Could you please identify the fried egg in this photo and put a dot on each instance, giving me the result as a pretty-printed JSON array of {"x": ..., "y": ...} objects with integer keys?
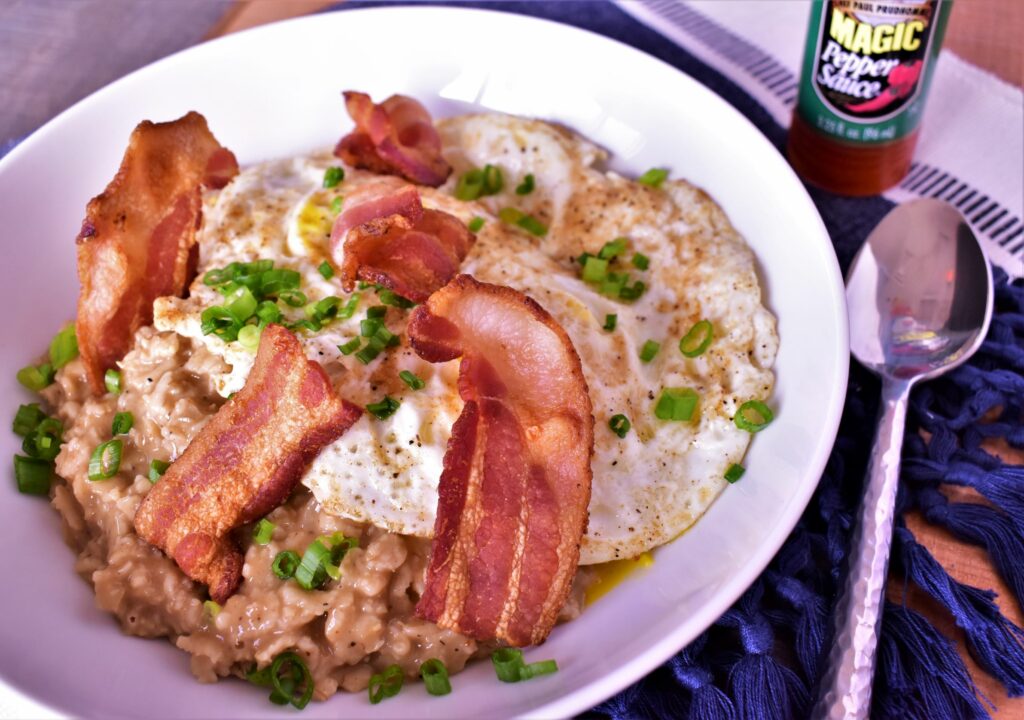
[{"x": 648, "y": 486}]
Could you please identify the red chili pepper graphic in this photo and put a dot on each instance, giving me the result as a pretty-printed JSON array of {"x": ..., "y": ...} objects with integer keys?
[{"x": 902, "y": 80}]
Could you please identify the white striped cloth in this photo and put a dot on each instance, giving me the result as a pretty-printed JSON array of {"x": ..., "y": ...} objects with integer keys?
[{"x": 971, "y": 149}]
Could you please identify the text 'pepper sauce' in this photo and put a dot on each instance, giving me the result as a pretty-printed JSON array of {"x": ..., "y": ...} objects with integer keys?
[{"x": 866, "y": 73}]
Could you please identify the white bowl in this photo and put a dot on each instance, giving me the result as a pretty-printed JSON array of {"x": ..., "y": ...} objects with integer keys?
[{"x": 274, "y": 91}]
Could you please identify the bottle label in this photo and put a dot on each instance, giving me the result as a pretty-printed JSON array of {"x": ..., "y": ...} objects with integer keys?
[{"x": 868, "y": 66}]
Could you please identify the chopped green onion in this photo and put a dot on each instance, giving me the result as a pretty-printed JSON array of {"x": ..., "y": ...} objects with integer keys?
[
  {"x": 287, "y": 686},
  {"x": 594, "y": 270},
  {"x": 64, "y": 347},
  {"x": 508, "y": 662},
  {"x": 641, "y": 261},
  {"x": 511, "y": 216},
  {"x": 27, "y": 419},
  {"x": 653, "y": 177},
  {"x": 435, "y": 677},
  {"x": 336, "y": 205},
  {"x": 620, "y": 425},
  {"x": 219, "y": 321},
  {"x": 368, "y": 354},
  {"x": 263, "y": 531},
  {"x": 112, "y": 379},
  {"x": 333, "y": 176},
  {"x": 385, "y": 337},
  {"x": 610, "y": 322},
  {"x": 157, "y": 468},
  {"x": 241, "y": 303},
  {"x": 753, "y": 416},
  {"x": 325, "y": 269},
  {"x": 697, "y": 339},
  {"x": 526, "y": 186},
  {"x": 36, "y": 378},
  {"x": 285, "y": 564},
  {"x": 310, "y": 574},
  {"x": 268, "y": 312},
  {"x": 494, "y": 181},
  {"x": 105, "y": 460},
  {"x": 292, "y": 297},
  {"x": 44, "y": 441},
  {"x": 735, "y": 472},
  {"x": 649, "y": 350},
  {"x": 212, "y": 608},
  {"x": 470, "y": 185},
  {"x": 411, "y": 380},
  {"x": 123, "y": 422},
  {"x": 350, "y": 347},
  {"x": 349, "y": 308},
  {"x": 386, "y": 684},
  {"x": 476, "y": 224},
  {"x": 509, "y": 666},
  {"x": 678, "y": 404},
  {"x": 377, "y": 312},
  {"x": 612, "y": 285},
  {"x": 249, "y": 337},
  {"x": 383, "y": 409},
  {"x": 33, "y": 475},
  {"x": 389, "y": 297},
  {"x": 544, "y": 667},
  {"x": 634, "y": 292},
  {"x": 370, "y": 326},
  {"x": 613, "y": 249}
]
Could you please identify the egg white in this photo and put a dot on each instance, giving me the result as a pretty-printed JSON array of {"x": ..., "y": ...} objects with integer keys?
[{"x": 648, "y": 486}]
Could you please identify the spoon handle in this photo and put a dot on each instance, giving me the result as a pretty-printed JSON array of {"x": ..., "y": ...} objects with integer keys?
[{"x": 845, "y": 692}]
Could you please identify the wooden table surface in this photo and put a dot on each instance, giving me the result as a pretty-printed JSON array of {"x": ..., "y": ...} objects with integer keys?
[{"x": 986, "y": 33}]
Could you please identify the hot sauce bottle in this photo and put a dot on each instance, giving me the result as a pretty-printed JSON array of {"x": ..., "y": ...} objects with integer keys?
[{"x": 866, "y": 73}]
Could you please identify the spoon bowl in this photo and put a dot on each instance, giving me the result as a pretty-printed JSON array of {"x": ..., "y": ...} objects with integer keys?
[{"x": 919, "y": 293}]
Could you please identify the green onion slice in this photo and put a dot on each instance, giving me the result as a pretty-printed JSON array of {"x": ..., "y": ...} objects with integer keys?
[
  {"x": 435, "y": 677},
  {"x": 64, "y": 347},
  {"x": 470, "y": 185},
  {"x": 219, "y": 321},
  {"x": 241, "y": 303},
  {"x": 678, "y": 404},
  {"x": 753, "y": 416},
  {"x": 633, "y": 292},
  {"x": 390, "y": 297},
  {"x": 310, "y": 574},
  {"x": 610, "y": 322},
  {"x": 285, "y": 564},
  {"x": 494, "y": 181},
  {"x": 33, "y": 475},
  {"x": 368, "y": 354},
  {"x": 370, "y": 326},
  {"x": 325, "y": 269},
  {"x": 262, "y": 531},
  {"x": 594, "y": 269},
  {"x": 336, "y": 205},
  {"x": 653, "y": 177},
  {"x": 349, "y": 308},
  {"x": 157, "y": 468},
  {"x": 412, "y": 380},
  {"x": 641, "y": 261},
  {"x": 386, "y": 684},
  {"x": 36, "y": 378},
  {"x": 649, "y": 350},
  {"x": 289, "y": 675},
  {"x": 112, "y": 379},
  {"x": 734, "y": 473},
  {"x": 44, "y": 441},
  {"x": 475, "y": 224},
  {"x": 613, "y": 249},
  {"x": 698, "y": 339},
  {"x": 350, "y": 347},
  {"x": 268, "y": 312},
  {"x": 544, "y": 667},
  {"x": 106, "y": 460},
  {"x": 385, "y": 408},
  {"x": 333, "y": 176},
  {"x": 377, "y": 312},
  {"x": 249, "y": 337},
  {"x": 27, "y": 419},
  {"x": 620, "y": 425},
  {"x": 508, "y": 663},
  {"x": 526, "y": 186},
  {"x": 212, "y": 608},
  {"x": 123, "y": 422}
]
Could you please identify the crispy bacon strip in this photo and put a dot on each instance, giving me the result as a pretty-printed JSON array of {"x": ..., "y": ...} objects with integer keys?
[
  {"x": 137, "y": 242},
  {"x": 514, "y": 491},
  {"x": 396, "y": 137},
  {"x": 386, "y": 236},
  {"x": 244, "y": 463}
]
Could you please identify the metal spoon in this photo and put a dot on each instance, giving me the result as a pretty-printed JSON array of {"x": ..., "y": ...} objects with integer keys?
[{"x": 920, "y": 299}]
